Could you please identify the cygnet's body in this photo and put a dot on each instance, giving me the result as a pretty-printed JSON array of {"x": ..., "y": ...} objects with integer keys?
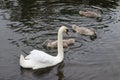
[
  {"x": 90, "y": 14},
  {"x": 53, "y": 43},
  {"x": 84, "y": 30}
]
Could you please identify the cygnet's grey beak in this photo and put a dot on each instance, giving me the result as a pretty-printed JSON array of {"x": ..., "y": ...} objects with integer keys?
[{"x": 73, "y": 30}]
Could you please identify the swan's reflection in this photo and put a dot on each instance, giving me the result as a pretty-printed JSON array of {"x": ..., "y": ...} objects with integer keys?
[
  {"x": 60, "y": 71},
  {"x": 37, "y": 73},
  {"x": 40, "y": 73}
]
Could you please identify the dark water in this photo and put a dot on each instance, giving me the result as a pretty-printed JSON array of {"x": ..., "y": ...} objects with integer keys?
[{"x": 25, "y": 24}]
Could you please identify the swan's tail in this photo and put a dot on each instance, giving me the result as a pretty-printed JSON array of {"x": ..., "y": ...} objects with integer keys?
[
  {"x": 26, "y": 63},
  {"x": 22, "y": 61}
]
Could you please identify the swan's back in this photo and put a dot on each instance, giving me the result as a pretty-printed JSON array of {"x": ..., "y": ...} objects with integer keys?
[{"x": 39, "y": 56}]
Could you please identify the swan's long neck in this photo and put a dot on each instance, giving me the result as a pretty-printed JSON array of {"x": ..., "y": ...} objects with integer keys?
[{"x": 60, "y": 55}]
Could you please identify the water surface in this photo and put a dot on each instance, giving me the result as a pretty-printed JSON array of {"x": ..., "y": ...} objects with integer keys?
[{"x": 25, "y": 25}]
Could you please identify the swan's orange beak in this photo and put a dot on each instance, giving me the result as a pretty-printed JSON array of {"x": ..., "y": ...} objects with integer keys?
[{"x": 68, "y": 33}]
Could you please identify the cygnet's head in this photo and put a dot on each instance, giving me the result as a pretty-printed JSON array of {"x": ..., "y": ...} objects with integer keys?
[
  {"x": 74, "y": 27},
  {"x": 46, "y": 43},
  {"x": 81, "y": 12}
]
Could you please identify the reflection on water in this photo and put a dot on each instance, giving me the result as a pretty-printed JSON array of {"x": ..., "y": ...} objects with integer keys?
[
  {"x": 26, "y": 24},
  {"x": 40, "y": 73}
]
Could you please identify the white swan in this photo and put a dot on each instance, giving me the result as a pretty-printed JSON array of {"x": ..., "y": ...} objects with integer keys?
[{"x": 39, "y": 59}]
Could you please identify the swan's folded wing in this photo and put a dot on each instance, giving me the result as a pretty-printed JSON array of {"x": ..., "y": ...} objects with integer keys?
[
  {"x": 39, "y": 56},
  {"x": 34, "y": 53}
]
